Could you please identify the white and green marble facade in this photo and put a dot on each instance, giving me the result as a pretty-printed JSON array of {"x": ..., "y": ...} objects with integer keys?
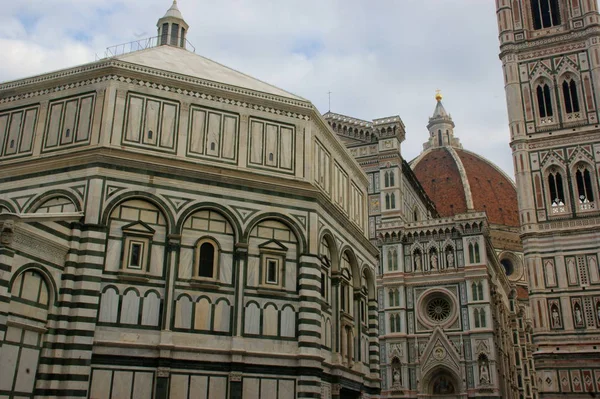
[{"x": 101, "y": 157}]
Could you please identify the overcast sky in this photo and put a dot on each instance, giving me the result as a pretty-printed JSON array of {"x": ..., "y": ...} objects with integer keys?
[{"x": 377, "y": 57}]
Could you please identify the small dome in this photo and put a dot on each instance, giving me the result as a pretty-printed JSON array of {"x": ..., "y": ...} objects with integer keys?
[{"x": 442, "y": 172}]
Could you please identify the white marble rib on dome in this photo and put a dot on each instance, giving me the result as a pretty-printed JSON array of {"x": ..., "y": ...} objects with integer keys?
[{"x": 181, "y": 61}]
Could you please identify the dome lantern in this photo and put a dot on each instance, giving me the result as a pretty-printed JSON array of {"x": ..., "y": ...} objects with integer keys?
[
  {"x": 172, "y": 28},
  {"x": 441, "y": 127}
]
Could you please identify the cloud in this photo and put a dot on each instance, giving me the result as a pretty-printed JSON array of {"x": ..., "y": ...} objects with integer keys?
[{"x": 377, "y": 58}]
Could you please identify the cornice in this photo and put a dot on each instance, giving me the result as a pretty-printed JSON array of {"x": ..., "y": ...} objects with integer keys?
[
  {"x": 143, "y": 70},
  {"x": 538, "y": 45}
]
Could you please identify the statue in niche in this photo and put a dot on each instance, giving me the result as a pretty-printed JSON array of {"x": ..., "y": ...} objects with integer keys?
[
  {"x": 555, "y": 317},
  {"x": 484, "y": 370},
  {"x": 396, "y": 373},
  {"x": 417, "y": 261},
  {"x": 578, "y": 314},
  {"x": 434, "y": 261},
  {"x": 450, "y": 260}
]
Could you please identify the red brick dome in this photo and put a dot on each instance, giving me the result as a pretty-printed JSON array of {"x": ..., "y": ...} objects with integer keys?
[{"x": 458, "y": 181}]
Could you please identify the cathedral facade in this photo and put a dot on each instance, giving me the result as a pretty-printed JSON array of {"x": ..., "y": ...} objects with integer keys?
[
  {"x": 172, "y": 228},
  {"x": 550, "y": 52},
  {"x": 452, "y": 294}
]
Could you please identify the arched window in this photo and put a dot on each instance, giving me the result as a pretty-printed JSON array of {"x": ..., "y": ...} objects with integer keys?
[
  {"x": 555, "y": 185},
  {"x": 571, "y": 99},
  {"x": 393, "y": 201},
  {"x": 476, "y": 317},
  {"x": 207, "y": 257},
  {"x": 392, "y": 179},
  {"x": 440, "y": 142},
  {"x": 482, "y": 321},
  {"x": 471, "y": 253},
  {"x": 544, "y": 101},
  {"x": 583, "y": 177},
  {"x": 392, "y": 260},
  {"x": 386, "y": 176},
  {"x": 480, "y": 291},
  {"x": 477, "y": 257},
  {"x": 545, "y": 13},
  {"x": 391, "y": 297},
  {"x": 416, "y": 214},
  {"x": 474, "y": 291},
  {"x": 387, "y": 201}
]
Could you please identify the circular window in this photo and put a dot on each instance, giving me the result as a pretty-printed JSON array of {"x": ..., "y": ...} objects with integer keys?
[
  {"x": 508, "y": 266},
  {"x": 438, "y": 309}
]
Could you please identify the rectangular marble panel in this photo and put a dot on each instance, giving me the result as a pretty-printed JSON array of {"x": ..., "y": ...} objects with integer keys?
[
  {"x": 256, "y": 142},
  {"x": 9, "y": 355},
  {"x": 28, "y": 130},
  {"x": 268, "y": 389},
  {"x": 272, "y": 145},
  {"x": 143, "y": 385},
  {"x": 68, "y": 130},
  {"x": 251, "y": 388},
  {"x": 134, "y": 119},
  {"x": 179, "y": 386},
  {"x": 169, "y": 125},
  {"x": 198, "y": 387},
  {"x": 286, "y": 389},
  {"x": 3, "y": 129},
  {"x": 229, "y": 137},
  {"x": 218, "y": 387},
  {"x": 198, "y": 122},
  {"x": 122, "y": 384},
  {"x": 53, "y": 128},
  {"x": 85, "y": 118},
  {"x": 14, "y": 131},
  {"x": 213, "y": 135},
  {"x": 28, "y": 362},
  {"x": 101, "y": 382},
  {"x": 150, "y": 132}
]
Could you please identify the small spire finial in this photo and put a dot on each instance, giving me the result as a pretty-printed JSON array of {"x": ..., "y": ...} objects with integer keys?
[{"x": 438, "y": 95}]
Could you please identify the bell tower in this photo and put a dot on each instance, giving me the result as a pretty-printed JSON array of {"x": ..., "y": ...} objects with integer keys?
[{"x": 550, "y": 52}]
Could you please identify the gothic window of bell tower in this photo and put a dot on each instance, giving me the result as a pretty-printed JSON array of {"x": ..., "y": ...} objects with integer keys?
[
  {"x": 545, "y": 13},
  {"x": 544, "y": 99},
  {"x": 584, "y": 186},
  {"x": 555, "y": 186},
  {"x": 570, "y": 96}
]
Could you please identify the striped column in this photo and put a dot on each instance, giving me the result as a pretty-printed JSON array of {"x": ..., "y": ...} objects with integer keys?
[
  {"x": 6, "y": 260},
  {"x": 65, "y": 362},
  {"x": 309, "y": 327}
]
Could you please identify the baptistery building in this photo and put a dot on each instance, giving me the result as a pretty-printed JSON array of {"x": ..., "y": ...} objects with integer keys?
[{"x": 173, "y": 228}]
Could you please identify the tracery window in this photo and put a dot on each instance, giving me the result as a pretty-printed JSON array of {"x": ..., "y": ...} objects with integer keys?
[
  {"x": 545, "y": 13},
  {"x": 392, "y": 260},
  {"x": 474, "y": 256},
  {"x": 477, "y": 290},
  {"x": 555, "y": 185},
  {"x": 395, "y": 324},
  {"x": 571, "y": 99},
  {"x": 479, "y": 316},
  {"x": 394, "y": 297},
  {"x": 583, "y": 177},
  {"x": 544, "y": 99}
]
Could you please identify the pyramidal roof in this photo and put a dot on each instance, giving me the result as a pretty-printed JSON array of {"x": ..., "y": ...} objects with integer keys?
[
  {"x": 440, "y": 111},
  {"x": 174, "y": 11},
  {"x": 183, "y": 62}
]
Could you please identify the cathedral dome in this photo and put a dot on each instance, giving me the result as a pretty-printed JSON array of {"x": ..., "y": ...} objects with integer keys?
[{"x": 459, "y": 181}]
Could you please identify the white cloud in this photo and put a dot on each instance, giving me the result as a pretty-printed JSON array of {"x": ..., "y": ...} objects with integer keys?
[{"x": 377, "y": 58}]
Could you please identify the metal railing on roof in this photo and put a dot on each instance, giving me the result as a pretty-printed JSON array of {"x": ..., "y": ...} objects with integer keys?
[{"x": 138, "y": 45}]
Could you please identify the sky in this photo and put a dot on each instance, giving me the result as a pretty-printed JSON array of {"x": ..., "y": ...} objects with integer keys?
[{"x": 377, "y": 57}]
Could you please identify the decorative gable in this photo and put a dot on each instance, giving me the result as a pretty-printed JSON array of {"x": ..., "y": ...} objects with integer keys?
[{"x": 439, "y": 351}]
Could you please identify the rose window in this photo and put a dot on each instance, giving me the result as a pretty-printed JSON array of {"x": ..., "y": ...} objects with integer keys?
[{"x": 438, "y": 309}]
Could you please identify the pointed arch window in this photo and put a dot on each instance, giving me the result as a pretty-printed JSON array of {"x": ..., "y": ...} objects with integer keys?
[
  {"x": 555, "y": 185},
  {"x": 545, "y": 13},
  {"x": 392, "y": 178},
  {"x": 569, "y": 88},
  {"x": 387, "y": 179},
  {"x": 544, "y": 100},
  {"x": 393, "y": 201},
  {"x": 392, "y": 260},
  {"x": 474, "y": 256},
  {"x": 387, "y": 201},
  {"x": 583, "y": 177}
]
